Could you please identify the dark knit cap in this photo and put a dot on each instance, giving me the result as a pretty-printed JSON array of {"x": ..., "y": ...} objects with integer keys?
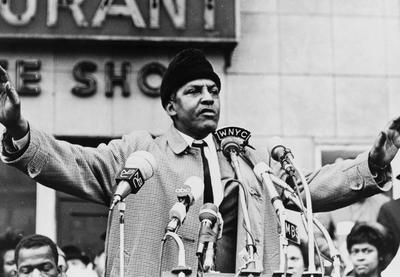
[{"x": 188, "y": 65}]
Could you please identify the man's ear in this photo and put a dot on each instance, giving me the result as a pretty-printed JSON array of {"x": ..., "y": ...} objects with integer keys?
[{"x": 170, "y": 108}]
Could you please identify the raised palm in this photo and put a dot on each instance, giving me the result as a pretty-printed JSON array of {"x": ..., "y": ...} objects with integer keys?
[
  {"x": 10, "y": 112},
  {"x": 387, "y": 144}
]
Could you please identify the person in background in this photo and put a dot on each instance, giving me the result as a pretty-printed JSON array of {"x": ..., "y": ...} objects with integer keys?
[
  {"x": 75, "y": 257},
  {"x": 389, "y": 216},
  {"x": 339, "y": 222},
  {"x": 37, "y": 255},
  {"x": 371, "y": 248},
  {"x": 297, "y": 258},
  {"x": 100, "y": 263},
  {"x": 8, "y": 242},
  {"x": 62, "y": 262},
  {"x": 78, "y": 262}
]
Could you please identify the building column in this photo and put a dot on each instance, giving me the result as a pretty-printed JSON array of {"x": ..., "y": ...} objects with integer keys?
[{"x": 46, "y": 223}]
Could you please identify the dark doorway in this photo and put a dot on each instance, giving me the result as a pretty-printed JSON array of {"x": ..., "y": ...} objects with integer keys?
[{"x": 18, "y": 201}]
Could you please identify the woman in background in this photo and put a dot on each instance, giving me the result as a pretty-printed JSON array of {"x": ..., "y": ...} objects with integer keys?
[{"x": 371, "y": 248}]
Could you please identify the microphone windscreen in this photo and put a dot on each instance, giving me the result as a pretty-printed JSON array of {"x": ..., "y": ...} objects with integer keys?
[
  {"x": 276, "y": 148},
  {"x": 230, "y": 142},
  {"x": 178, "y": 210},
  {"x": 209, "y": 211},
  {"x": 196, "y": 187},
  {"x": 144, "y": 161}
]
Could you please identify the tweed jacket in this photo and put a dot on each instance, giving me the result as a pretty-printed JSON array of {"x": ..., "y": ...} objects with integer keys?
[{"x": 89, "y": 173}]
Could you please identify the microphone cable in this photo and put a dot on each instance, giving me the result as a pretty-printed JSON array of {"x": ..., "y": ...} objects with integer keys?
[
  {"x": 107, "y": 244},
  {"x": 200, "y": 268},
  {"x": 163, "y": 240},
  {"x": 246, "y": 197}
]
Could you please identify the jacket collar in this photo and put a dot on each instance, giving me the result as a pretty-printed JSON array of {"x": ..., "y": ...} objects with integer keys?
[
  {"x": 176, "y": 141},
  {"x": 178, "y": 144}
]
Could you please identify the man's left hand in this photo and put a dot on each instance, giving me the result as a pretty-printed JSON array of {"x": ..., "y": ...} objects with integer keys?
[{"x": 386, "y": 145}]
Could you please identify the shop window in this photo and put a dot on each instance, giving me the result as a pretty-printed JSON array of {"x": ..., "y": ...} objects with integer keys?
[{"x": 329, "y": 156}]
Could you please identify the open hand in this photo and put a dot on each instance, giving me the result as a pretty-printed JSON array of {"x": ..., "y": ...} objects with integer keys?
[
  {"x": 10, "y": 107},
  {"x": 386, "y": 145}
]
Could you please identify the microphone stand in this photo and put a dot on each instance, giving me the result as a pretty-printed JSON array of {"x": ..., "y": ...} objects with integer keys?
[
  {"x": 181, "y": 270},
  {"x": 178, "y": 215},
  {"x": 121, "y": 207},
  {"x": 334, "y": 253},
  {"x": 289, "y": 164},
  {"x": 311, "y": 271},
  {"x": 282, "y": 216},
  {"x": 250, "y": 270},
  {"x": 209, "y": 256}
]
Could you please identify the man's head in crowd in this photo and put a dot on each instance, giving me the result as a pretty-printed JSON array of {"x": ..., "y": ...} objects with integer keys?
[
  {"x": 100, "y": 263},
  {"x": 8, "y": 242},
  {"x": 297, "y": 258},
  {"x": 370, "y": 247},
  {"x": 190, "y": 94},
  {"x": 75, "y": 257},
  {"x": 37, "y": 255}
]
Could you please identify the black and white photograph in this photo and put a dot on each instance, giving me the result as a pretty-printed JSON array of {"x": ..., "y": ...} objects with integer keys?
[{"x": 191, "y": 138}]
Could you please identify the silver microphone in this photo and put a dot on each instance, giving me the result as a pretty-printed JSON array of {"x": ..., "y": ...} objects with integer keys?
[{"x": 190, "y": 192}]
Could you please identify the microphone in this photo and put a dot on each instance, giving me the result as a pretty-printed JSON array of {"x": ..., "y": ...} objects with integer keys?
[
  {"x": 262, "y": 171},
  {"x": 231, "y": 149},
  {"x": 281, "y": 154},
  {"x": 139, "y": 167},
  {"x": 209, "y": 255},
  {"x": 277, "y": 149},
  {"x": 208, "y": 216},
  {"x": 187, "y": 195},
  {"x": 230, "y": 145}
]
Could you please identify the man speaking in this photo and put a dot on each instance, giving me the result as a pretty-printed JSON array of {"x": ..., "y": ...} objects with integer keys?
[{"x": 190, "y": 94}]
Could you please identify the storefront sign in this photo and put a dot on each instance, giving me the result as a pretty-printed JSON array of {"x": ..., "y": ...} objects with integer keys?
[
  {"x": 28, "y": 77},
  {"x": 120, "y": 20}
]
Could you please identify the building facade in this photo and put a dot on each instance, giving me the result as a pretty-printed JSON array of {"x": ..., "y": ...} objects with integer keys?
[{"x": 321, "y": 74}]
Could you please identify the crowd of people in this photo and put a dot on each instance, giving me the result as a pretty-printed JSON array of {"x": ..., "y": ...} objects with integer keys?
[
  {"x": 31, "y": 254},
  {"x": 190, "y": 95},
  {"x": 371, "y": 248}
]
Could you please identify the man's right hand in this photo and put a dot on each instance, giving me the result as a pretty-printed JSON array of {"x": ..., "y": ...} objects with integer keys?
[{"x": 10, "y": 108}]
